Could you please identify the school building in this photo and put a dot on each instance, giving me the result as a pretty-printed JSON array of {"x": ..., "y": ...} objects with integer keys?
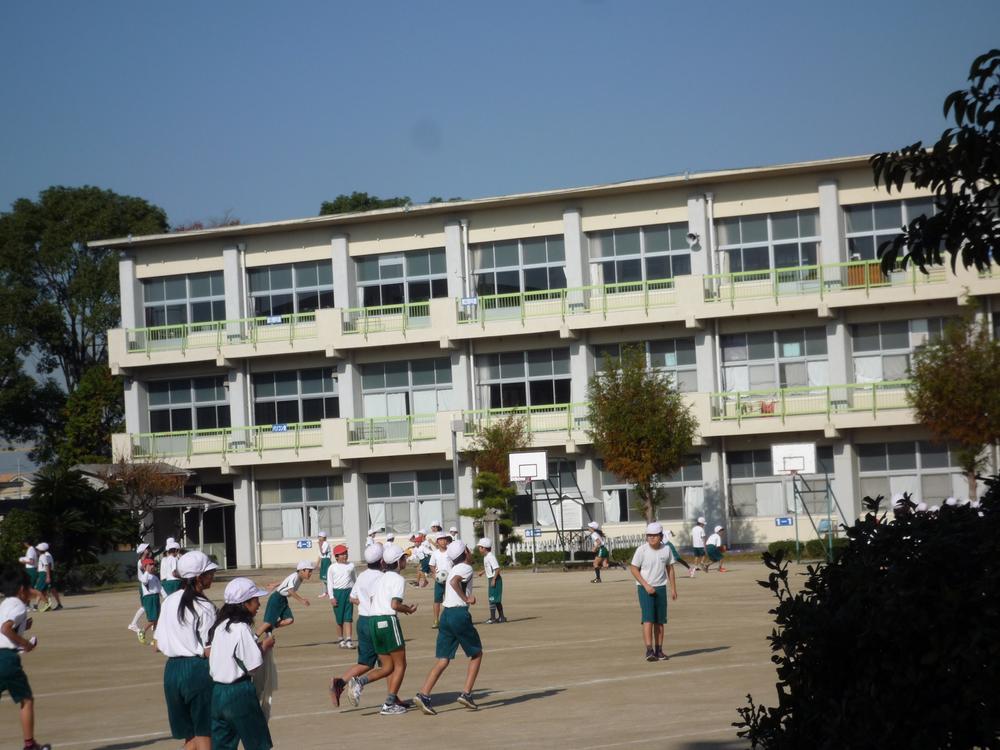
[{"x": 321, "y": 372}]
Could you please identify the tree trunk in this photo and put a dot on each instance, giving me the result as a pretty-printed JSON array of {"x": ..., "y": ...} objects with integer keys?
[
  {"x": 971, "y": 477},
  {"x": 647, "y": 494}
]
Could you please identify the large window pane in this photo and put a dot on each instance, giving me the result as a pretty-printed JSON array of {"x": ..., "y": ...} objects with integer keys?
[
  {"x": 871, "y": 457},
  {"x": 895, "y": 335},
  {"x": 753, "y": 229},
  {"x": 888, "y": 215},
  {"x": 627, "y": 242},
  {"x": 901, "y": 456}
]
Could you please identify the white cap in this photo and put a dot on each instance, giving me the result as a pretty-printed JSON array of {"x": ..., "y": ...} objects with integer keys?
[
  {"x": 934, "y": 508},
  {"x": 372, "y": 532},
  {"x": 718, "y": 529},
  {"x": 42, "y": 547},
  {"x": 305, "y": 565},
  {"x": 193, "y": 564},
  {"x": 390, "y": 536},
  {"x": 436, "y": 523},
  {"x": 391, "y": 553},
  {"x": 453, "y": 529},
  {"x": 455, "y": 549},
  {"x": 897, "y": 500},
  {"x": 486, "y": 542},
  {"x": 654, "y": 528},
  {"x": 442, "y": 535},
  {"x": 951, "y": 501},
  {"x": 240, "y": 590},
  {"x": 170, "y": 539},
  {"x": 974, "y": 504},
  {"x": 921, "y": 507},
  {"x": 373, "y": 553},
  {"x": 141, "y": 548},
  {"x": 322, "y": 534},
  {"x": 171, "y": 544},
  {"x": 593, "y": 525},
  {"x": 422, "y": 532},
  {"x": 701, "y": 519}
]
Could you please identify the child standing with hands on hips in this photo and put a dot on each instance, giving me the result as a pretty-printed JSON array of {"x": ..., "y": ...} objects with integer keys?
[{"x": 339, "y": 582}]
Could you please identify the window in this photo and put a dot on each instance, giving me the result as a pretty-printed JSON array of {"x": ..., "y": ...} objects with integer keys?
[
  {"x": 534, "y": 378},
  {"x": 188, "y": 404},
  {"x": 404, "y": 501},
  {"x": 301, "y": 508},
  {"x": 755, "y": 491},
  {"x": 675, "y": 357},
  {"x": 291, "y": 288},
  {"x": 929, "y": 471},
  {"x": 414, "y": 276},
  {"x": 871, "y": 224},
  {"x": 293, "y": 396},
  {"x": 774, "y": 359},
  {"x": 882, "y": 350},
  {"x": 175, "y": 300},
  {"x": 399, "y": 389},
  {"x": 526, "y": 265},
  {"x": 624, "y": 502},
  {"x": 640, "y": 253},
  {"x": 765, "y": 241}
]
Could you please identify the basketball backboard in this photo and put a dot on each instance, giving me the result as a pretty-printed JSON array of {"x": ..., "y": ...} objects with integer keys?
[
  {"x": 793, "y": 458},
  {"x": 529, "y": 465}
]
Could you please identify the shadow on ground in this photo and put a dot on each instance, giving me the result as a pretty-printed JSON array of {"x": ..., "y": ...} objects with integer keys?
[
  {"x": 133, "y": 744},
  {"x": 694, "y": 651}
]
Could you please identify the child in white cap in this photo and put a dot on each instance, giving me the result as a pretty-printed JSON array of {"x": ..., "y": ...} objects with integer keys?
[
  {"x": 386, "y": 634},
  {"x": 143, "y": 551},
  {"x": 235, "y": 654},
  {"x": 698, "y": 544},
  {"x": 456, "y": 630},
  {"x": 169, "y": 579},
  {"x": 453, "y": 531},
  {"x": 361, "y": 594},
  {"x": 714, "y": 549},
  {"x": 439, "y": 562},
  {"x": 423, "y": 554},
  {"x": 43, "y": 581},
  {"x": 371, "y": 537},
  {"x": 601, "y": 552},
  {"x": 278, "y": 614},
  {"x": 340, "y": 581},
  {"x": 182, "y": 633},
  {"x": 653, "y": 568},
  {"x": 325, "y": 560},
  {"x": 151, "y": 591},
  {"x": 494, "y": 583}
]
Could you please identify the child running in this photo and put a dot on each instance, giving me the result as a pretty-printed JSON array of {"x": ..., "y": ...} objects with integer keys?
[
  {"x": 181, "y": 635},
  {"x": 340, "y": 581},
  {"x": 361, "y": 594},
  {"x": 325, "y": 559},
  {"x": 387, "y": 636},
  {"x": 151, "y": 589},
  {"x": 15, "y": 586},
  {"x": 668, "y": 536},
  {"x": 235, "y": 654},
  {"x": 423, "y": 553},
  {"x": 494, "y": 583},
  {"x": 144, "y": 552},
  {"x": 456, "y": 630},
  {"x": 714, "y": 549},
  {"x": 653, "y": 568},
  {"x": 440, "y": 562},
  {"x": 601, "y": 553},
  {"x": 44, "y": 580},
  {"x": 168, "y": 567},
  {"x": 278, "y": 614}
]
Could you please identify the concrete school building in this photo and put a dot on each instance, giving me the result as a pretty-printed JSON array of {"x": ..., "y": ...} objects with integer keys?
[{"x": 321, "y": 370}]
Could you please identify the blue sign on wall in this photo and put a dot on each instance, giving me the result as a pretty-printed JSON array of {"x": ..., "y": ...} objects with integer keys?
[
  {"x": 304, "y": 543},
  {"x": 279, "y": 428},
  {"x": 784, "y": 521}
]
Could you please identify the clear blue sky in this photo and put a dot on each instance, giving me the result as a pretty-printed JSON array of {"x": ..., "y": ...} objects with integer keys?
[{"x": 267, "y": 109}]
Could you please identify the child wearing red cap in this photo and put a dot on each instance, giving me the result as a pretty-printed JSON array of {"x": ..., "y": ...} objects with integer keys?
[
  {"x": 151, "y": 589},
  {"x": 339, "y": 582}
]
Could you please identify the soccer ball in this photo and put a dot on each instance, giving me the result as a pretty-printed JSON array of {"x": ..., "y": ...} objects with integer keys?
[{"x": 441, "y": 576}]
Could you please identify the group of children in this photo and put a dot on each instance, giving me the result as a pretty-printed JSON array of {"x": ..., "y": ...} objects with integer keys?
[{"x": 39, "y": 565}]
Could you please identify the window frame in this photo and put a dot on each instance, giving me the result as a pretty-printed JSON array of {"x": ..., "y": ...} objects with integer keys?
[
  {"x": 677, "y": 247},
  {"x": 726, "y": 249},
  {"x": 778, "y": 360},
  {"x": 486, "y": 271},
  {"x": 216, "y": 300},
  {"x": 601, "y": 352},
  {"x": 501, "y": 384},
  {"x": 220, "y": 404},
  {"x": 412, "y": 500},
  {"x": 910, "y": 208},
  {"x": 327, "y": 375},
  {"x": 324, "y": 291},
  {"x": 335, "y": 501},
  {"x": 437, "y": 281}
]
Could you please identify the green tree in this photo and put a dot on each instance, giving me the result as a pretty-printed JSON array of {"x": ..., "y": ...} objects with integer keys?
[
  {"x": 962, "y": 169},
  {"x": 955, "y": 390},
  {"x": 494, "y": 442},
  {"x": 640, "y": 425},
  {"x": 439, "y": 199},
  {"x": 355, "y": 202},
  {"x": 93, "y": 413},
  {"x": 493, "y": 494}
]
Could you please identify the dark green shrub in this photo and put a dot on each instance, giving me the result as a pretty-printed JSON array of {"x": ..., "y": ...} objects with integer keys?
[
  {"x": 816, "y": 549},
  {"x": 892, "y": 645},
  {"x": 787, "y": 546},
  {"x": 88, "y": 576}
]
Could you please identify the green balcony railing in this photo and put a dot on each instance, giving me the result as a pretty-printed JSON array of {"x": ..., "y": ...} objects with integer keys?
[
  {"x": 549, "y": 418},
  {"x": 216, "y": 334},
  {"x": 825, "y": 279},
  {"x": 563, "y": 303},
  {"x": 366, "y": 320},
  {"x": 379, "y": 430},
  {"x": 224, "y": 440},
  {"x": 804, "y": 400}
]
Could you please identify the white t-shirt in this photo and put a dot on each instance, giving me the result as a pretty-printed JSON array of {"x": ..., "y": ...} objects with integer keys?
[
  {"x": 417, "y": 552},
  {"x": 369, "y": 541},
  {"x": 391, "y": 586},
  {"x": 339, "y": 576},
  {"x": 325, "y": 551},
  {"x": 491, "y": 565},
  {"x": 440, "y": 560},
  {"x": 167, "y": 567},
  {"x": 427, "y": 548},
  {"x": 227, "y": 647},
  {"x": 364, "y": 589},
  {"x": 598, "y": 539},
  {"x": 652, "y": 563},
  {"x": 45, "y": 562},
  {"x": 188, "y": 638},
  {"x": 32, "y": 555},
  {"x": 16, "y": 611},
  {"x": 290, "y": 584},
  {"x": 698, "y": 536},
  {"x": 464, "y": 572},
  {"x": 150, "y": 583},
  {"x": 715, "y": 540}
]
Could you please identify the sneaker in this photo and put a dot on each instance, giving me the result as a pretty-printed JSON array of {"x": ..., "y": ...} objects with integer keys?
[
  {"x": 349, "y": 644},
  {"x": 502, "y": 619},
  {"x": 407, "y": 704},
  {"x": 321, "y": 596},
  {"x": 692, "y": 572},
  {"x": 142, "y": 637},
  {"x": 58, "y": 607},
  {"x": 354, "y": 689},
  {"x": 466, "y": 700},
  {"x": 36, "y": 746},
  {"x": 392, "y": 709},
  {"x": 650, "y": 655},
  {"x": 424, "y": 701},
  {"x": 337, "y": 690},
  {"x": 340, "y": 643},
  {"x": 434, "y": 626},
  {"x": 490, "y": 621},
  {"x": 661, "y": 656},
  {"x": 133, "y": 628},
  {"x": 44, "y": 607},
  {"x": 595, "y": 580},
  {"x": 723, "y": 570}
]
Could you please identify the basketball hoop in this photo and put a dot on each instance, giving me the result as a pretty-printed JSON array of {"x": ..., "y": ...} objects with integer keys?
[{"x": 525, "y": 468}]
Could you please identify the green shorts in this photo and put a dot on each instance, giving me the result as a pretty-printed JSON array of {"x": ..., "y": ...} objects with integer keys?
[
  {"x": 366, "y": 650},
  {"x": 324, "y": 566},
  {"x": 277, "y": 610},
  {"x": 171, "y": 586},
  {"x": 425, "y": 565},
  {"x": 187, "y": 687},
  {"x": 654, "y": 608},
  {"x": 603, "y": 552},
  {"x": 237, "y": 717},
  {"x": 699, "y": 551},
  {"x": 495, "y": 591},
  {"x": 41, "y": 584},
  {"x": 151, "y": 604},
  {"x": 454, "y": 630},
  {"x": 714, "y": 553},
  {"x": 387, "y": 636},
  {"x": 438, "y": 592},
  {"x": 12, "y": 676},
  {"x": 343, "y": 610}
]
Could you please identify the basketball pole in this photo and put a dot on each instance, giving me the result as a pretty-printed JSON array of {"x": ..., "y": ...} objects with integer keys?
[
  {"x": 534, "y": 539},
  {"x": 795, "y": 509}
]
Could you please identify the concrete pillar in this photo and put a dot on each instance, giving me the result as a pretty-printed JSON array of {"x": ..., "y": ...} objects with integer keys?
[
  {"x": 705, "y": 356},
  {"x": 246, "y": 522},
  {"x": 845, "y": 487},
  {"x": 239, "y": 397},
  {"x": 463, "y": 486},
  {"x": 130, "y": 291},
  {"x": 236, "y": 297},
  {"x": 715, "y": 491},
  {"x": 577, "y": 262},
  {"x": 344, "y": 276},
  {"x": 840, "y": 366},
  {"x": 349, "y": 391},
  {"x": 355, "y": 512},
  {"x": 831, "y": 232},
  {"x": 455, "y": 258},
  {"x": 136, "y": 406},
  {"x": 581, "y": 368},
  {"x": 461, "y": 383},
  {"x": 698, "y": 224}
]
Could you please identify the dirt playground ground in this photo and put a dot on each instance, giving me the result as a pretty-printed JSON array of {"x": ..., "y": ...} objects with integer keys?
[{"x": 567, "y": 671}]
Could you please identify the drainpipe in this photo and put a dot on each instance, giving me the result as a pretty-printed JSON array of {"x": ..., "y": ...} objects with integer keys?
[
  {"x": 710, "y": 206},
  {"x": 468, "y": 290}
]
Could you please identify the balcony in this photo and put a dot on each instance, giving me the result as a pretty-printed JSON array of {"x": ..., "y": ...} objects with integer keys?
[
  {"x": 364, "y": 321},
  {"x": 216, "y": 334},
  {"x": 553, "y": 423},
  {"x": 372, "y": 431},
  {"x": 227, "y": 440}
]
